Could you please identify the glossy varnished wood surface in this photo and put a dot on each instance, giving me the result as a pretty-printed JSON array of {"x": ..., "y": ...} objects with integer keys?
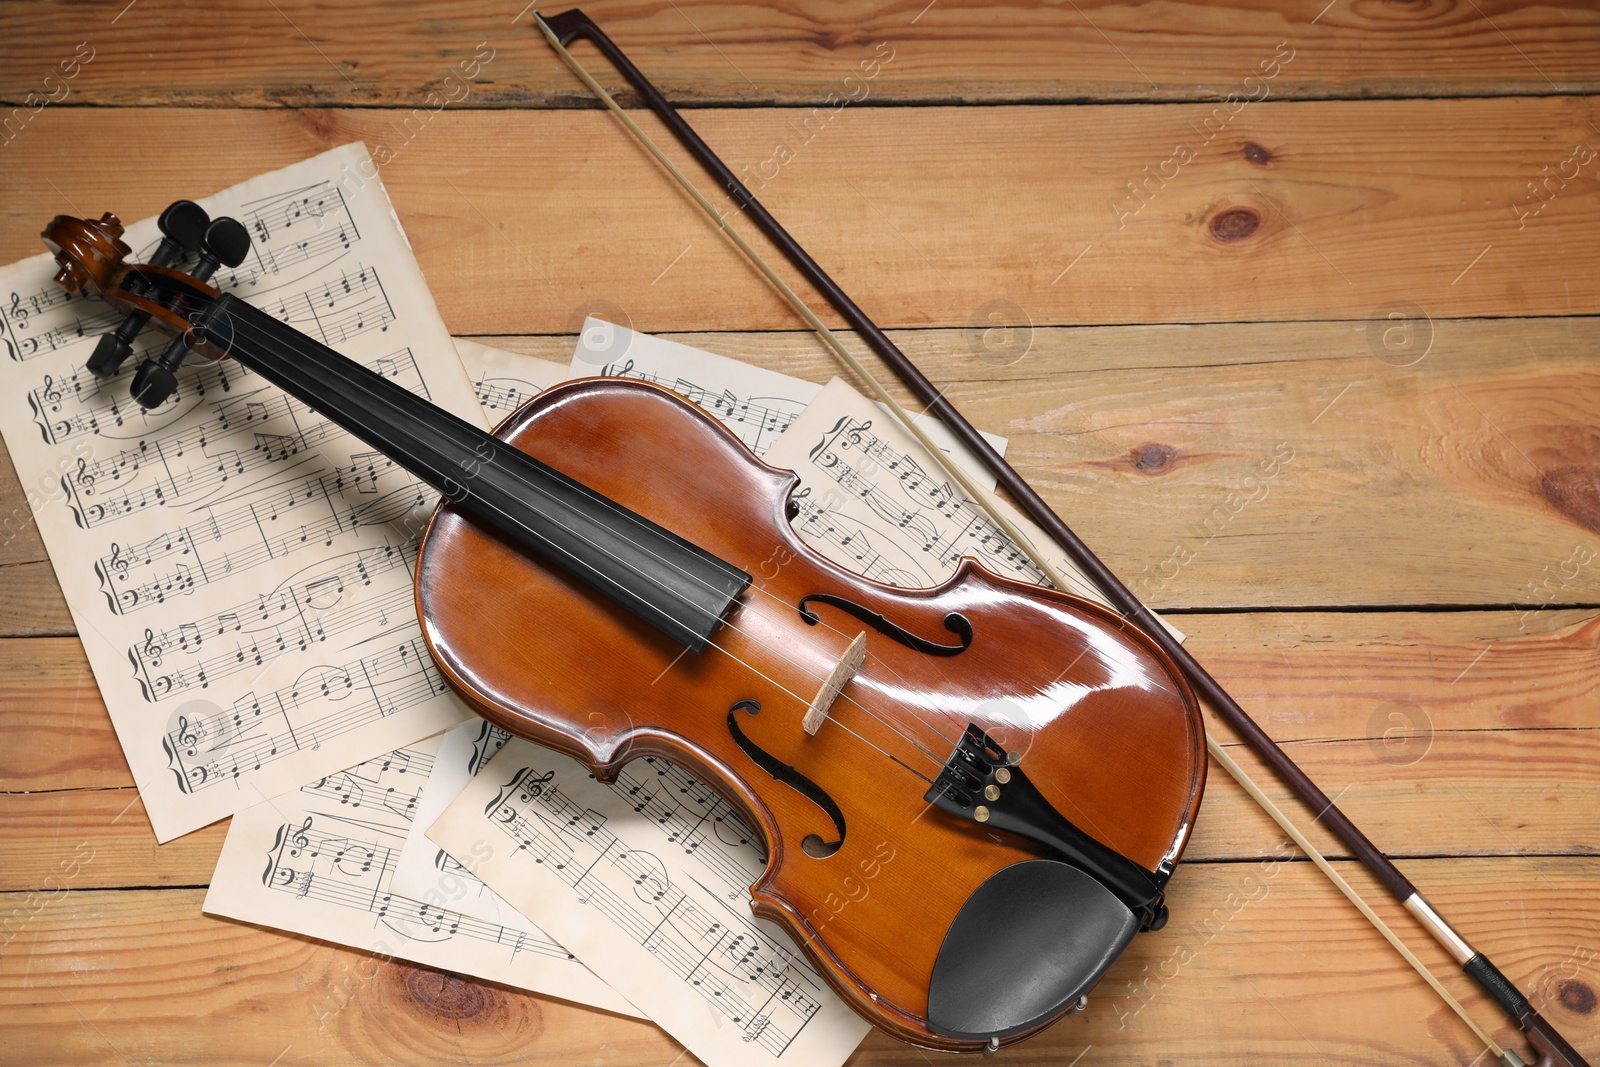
[
  {"x": 1392, "y": 606},
  {"x": 1097, "y": 716}
]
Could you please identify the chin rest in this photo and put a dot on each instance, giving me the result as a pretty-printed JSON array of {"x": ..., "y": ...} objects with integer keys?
[{"x": 1023, "y": 948}]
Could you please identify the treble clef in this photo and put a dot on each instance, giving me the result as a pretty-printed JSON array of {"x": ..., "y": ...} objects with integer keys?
[
  {"x": 85, "y": 478},
  {"x": 535, "y": 787},
  {"x": 51, "y": 392},
  {"x": 18, "y": 314},
  {"x": 498, "y": 806},
  {"x": 856, "y": 432},
  {"x": 188, "y": 735},
  {"x": 300, "y": 839},
  {"x": 151, "y": 651},
  {"x": 119, "y": 563}
]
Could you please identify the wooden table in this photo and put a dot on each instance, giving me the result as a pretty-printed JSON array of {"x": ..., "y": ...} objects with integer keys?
[{"x": 1287, "y": 308}]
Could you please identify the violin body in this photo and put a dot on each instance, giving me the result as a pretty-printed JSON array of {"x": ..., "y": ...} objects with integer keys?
[{"x": 1102, "y": 721}]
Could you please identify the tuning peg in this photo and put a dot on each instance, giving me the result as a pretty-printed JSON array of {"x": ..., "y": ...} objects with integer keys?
[
  {"x": 183, "y": 228},
  {"x": 226, "y": 243}
]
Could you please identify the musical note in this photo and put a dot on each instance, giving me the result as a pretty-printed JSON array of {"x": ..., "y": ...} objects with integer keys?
[
  {"x": 869, "y": 501},
  {"x": 294, "y": 232},
  {"x": 339, "y": 309},
  {"x": 325, "y": 702},
  {"x": 757, "y": 405},
  {"x": 615, "y": 879},
  {"x": 320, "y": 861}
]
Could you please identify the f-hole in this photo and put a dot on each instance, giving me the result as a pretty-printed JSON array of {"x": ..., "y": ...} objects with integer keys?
[
  {"x": 955, "y": 622},
  {"x": 813, "y": 845}
]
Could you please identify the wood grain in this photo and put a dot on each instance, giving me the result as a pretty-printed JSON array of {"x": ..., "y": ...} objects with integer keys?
[
  {"x": 1252, "y": 959},
  {"x": 19, "y": 537},
  {"x": 1410, "y": 717},
  {"x": 929, "y": 216},
  {"x": 33, "y": 606},
  {"x": 108, "y": 831},
  {"x": 299, "y": 53},
  {"x": 1151, "y": 441}
]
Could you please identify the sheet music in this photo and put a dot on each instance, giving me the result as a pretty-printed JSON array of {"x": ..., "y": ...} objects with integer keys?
[
  {"x": 426, "y": 872},
  {"x": 872, "y": 500},
  {"x": 237, "y": 567},
  {"x": 319, "y": 861},
  {"x": 504, "y": 381},
  {"x": 757, "y": 405},
  {"x": 646, "y": 880}
]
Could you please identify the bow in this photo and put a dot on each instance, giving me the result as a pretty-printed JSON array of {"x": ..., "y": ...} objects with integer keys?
[{"x": 1552, "y": 1049}]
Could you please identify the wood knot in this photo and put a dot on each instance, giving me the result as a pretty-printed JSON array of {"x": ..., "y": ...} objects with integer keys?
[
  {"x": 445, "y": 995},
  {"x": 1574, "y": 490},
  {"x": 1235, "y": 224},
  {"x": 1576, "y": 997},
  {"x": 1152, "y": 459},
  {"x": 1256, "y": 153}
]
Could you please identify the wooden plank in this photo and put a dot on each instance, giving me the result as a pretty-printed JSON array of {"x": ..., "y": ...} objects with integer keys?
[
  {"x": 1260, "y": 956},
  {"x": 1326, "y": 475},
  {"x": 1427, "y": 715},
  {"x": 1156, "y": 444},
  {"x": 1288, "y": 211},
  {"x": 299, "y": 53},
  {"x": 144, "y": 973},
  {"x": 1528, "y": 796},
  {"x": 105, "y": 835},
  {"x": 58, "y": 733},
  {"x": 33, "y": 605},
  {"x": 19, "y": 537},
  {"x": 1526, "y": 793},
  {"x": 1309, "y": 678},
  {"x": 1409, "y": 718}
]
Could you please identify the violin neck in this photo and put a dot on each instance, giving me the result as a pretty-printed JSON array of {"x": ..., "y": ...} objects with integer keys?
[{"x": 658, "y": 576}]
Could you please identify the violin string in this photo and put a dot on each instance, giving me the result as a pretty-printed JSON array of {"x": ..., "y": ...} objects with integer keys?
[
  {"x": 402, "y": 427},
  {"x": 828, "y": 337}
]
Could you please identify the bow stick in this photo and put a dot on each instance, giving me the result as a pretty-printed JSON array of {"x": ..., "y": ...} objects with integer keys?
[{"x": 560, "y": 30}]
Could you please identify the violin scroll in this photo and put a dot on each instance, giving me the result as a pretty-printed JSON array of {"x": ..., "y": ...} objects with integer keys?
[
  {"x": 183, "y": 228},
  {"x": 89, "y": 252},
  {"x": 92, "y": 258}
]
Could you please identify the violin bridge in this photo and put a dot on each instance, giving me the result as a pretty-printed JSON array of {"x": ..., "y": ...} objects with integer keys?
[{"x": 842, "y": 672}]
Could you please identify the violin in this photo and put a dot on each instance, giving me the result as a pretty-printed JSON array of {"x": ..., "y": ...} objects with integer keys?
[{"x": 1014, "y": 771}]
